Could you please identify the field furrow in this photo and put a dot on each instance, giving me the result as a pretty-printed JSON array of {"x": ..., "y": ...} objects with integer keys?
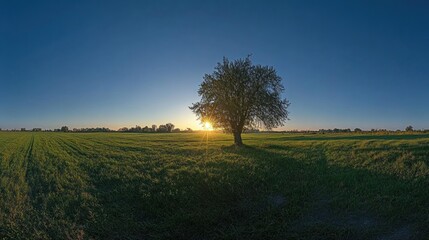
[
  {"x": 188, "y": 186},
  {"x": 13, "y": 185}
]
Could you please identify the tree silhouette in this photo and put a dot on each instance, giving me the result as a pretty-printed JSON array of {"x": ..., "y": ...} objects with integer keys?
[
  {"x": 239, "y": 94},
  {"x": 162, "y": 129},
  {"x": 170, "y": 127}
]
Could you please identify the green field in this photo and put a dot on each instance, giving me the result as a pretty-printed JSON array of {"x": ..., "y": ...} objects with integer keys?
[{"x": 190, "y": 186}]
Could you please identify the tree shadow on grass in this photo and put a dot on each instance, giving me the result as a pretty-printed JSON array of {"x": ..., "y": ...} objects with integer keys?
[
  {"x": 340, "y": 202},
  {"x": 258, "y": 193}
]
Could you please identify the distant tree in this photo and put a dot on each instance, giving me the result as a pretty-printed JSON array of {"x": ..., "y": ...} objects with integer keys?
[
  {"x": 170, "y": 127},
  {"x": 64, "y": 129},
  {"x": 124, "y": 129},
  {"x": 154, "y": 128},
  {"x": 187, "y": 130},
  {"x": 250, "y": 130},
  {"x": 409, "y": 129},
  {"x": 162, "y": 129},
  {"x": 239, "y": 94},
  {"x": 97, "y": 129},
  {"x": 358, "y": 130},
  {"x": 176, "y": 130}
]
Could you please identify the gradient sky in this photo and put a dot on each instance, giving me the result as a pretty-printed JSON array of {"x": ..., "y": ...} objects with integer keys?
[{"x": 344, "y": 64}]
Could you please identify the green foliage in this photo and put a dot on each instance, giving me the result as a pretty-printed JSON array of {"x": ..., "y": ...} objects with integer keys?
[
  {"x": 240, "y": 95},
  {"x": 194, "y": 186}
]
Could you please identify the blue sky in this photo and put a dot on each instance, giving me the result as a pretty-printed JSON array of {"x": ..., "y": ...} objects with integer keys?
[{"x": 90, "y": 63}]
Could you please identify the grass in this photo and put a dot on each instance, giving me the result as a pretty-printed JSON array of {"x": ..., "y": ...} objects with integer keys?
[{"x": 190, "y": 186}]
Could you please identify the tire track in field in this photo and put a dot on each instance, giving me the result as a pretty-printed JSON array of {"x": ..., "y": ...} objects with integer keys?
[
  {"x": 30, "y": 175},
  {"x": 92, "y": 148},
  {"x": 71, "y": 147},
  {"x": 14, "y": 187},
  {"x": 82, "y": 151},
  {"x": 145, "y": 151},
  {"x": 118, "y": 145},
  {"x": 28, "y": 158},
  {"x": 114, "y": 202},
  {"x": 58, "y": 207},
  {"x": 85, "y": 154}
]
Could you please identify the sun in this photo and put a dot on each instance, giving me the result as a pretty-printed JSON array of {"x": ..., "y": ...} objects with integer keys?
[{"x": 207, "y": 126}]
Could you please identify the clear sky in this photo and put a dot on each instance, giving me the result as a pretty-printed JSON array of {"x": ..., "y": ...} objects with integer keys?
[{"x": 344, "y": 64}]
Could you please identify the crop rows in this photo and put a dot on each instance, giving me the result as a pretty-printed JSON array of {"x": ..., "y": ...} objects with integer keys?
[{"x": 193, "y": 186}]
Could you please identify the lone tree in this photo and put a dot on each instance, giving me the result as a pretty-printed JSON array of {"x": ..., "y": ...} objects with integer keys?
[{"x": 239, "y": 94}]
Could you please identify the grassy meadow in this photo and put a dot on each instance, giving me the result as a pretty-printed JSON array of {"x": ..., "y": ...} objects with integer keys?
[{"x": 196, "y": 186}]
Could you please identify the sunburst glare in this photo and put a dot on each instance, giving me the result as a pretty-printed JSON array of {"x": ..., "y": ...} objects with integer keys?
[{"x": 207, "y": 126}]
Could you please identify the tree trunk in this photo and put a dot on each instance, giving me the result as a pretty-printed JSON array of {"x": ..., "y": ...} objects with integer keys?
[{"x": 237, "y": 139}]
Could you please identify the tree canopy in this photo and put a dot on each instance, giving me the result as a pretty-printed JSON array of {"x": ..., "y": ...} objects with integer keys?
[{"x": 239, "y": 94}]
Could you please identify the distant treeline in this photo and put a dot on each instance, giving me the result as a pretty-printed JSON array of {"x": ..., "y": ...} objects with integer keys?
[
  {"x": 358, "y": 130},
  {"x": 170, "y": 128},
  {"x": 62, "y": 129},
  {"x": 98, "y": 129},
  {"x": 165, "y": 128}
]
